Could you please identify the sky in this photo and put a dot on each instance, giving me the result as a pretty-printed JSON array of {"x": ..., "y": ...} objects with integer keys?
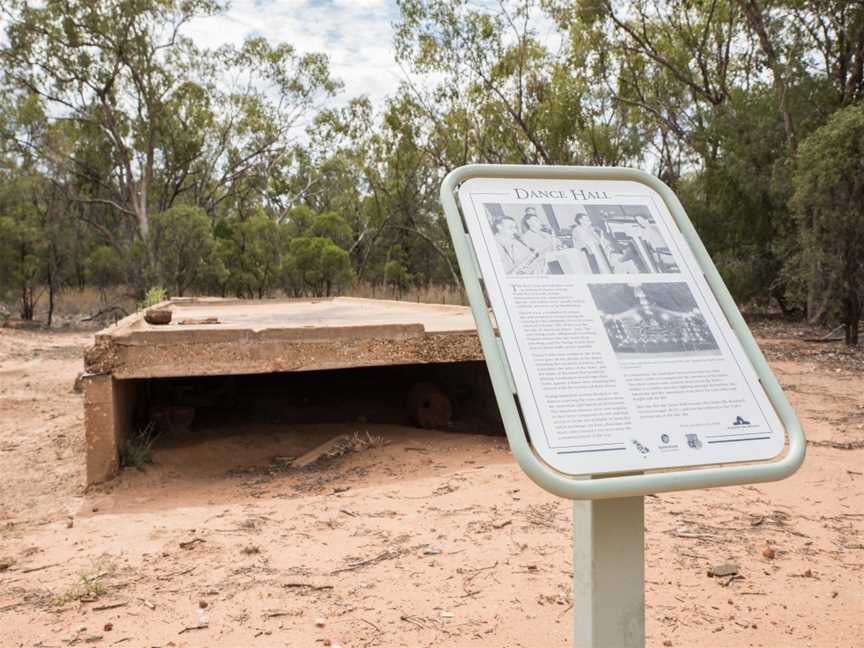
[{"x": 357, "y": 35}]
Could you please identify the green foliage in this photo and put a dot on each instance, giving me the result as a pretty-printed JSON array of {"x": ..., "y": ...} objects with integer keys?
[
  {"x": 396, "y": 274},
  {"x": 253, "y": 256},
  {"x": 331, "y": 226},
  {"x": 137, "y": 450},
  {"x": 104, "y": 267},
  {"x": 181, "y": 244},
  {"x": 23, "y": 266},
  {"x": 315, "y": 265},
  {"x": 829, "y": 204},
  {"x": 153, "y": 296},
  {"x": 129, "y": 153}
]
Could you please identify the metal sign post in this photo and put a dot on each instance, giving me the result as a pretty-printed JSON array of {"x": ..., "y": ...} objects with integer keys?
[
  {"x": 609, "y": 573},
  {"x": 620, "y": 362}
]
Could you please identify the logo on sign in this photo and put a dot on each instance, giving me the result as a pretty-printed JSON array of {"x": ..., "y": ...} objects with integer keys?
[
  {"x": 740, "y": 421},
  {"x": 641, "y": 448},
  {"x": 693, "y": 441},
  {"x": 664, "y": 438}
]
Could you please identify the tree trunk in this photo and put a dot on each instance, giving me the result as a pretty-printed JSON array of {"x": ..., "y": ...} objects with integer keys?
[
  {"x": 754, "y": 14},
  {"x": 26, "y": 303},
  {"x": 50, "y": 299},
  {"x": 852, "y": 315}
]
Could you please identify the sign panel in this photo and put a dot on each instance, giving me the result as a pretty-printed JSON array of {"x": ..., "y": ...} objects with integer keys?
[{"x": 621, "y": 356}]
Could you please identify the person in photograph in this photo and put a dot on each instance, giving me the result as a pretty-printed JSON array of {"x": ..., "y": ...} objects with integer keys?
[
  {"x": 622, "y": 254},
  {"x": 652, "y": 242},
  {"x": 540, "y": 241},
  {"x": 514, "y": 253},
  {"x": 586, "y": 254}
]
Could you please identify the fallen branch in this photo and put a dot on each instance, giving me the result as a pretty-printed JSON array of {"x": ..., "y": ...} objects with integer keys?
[
  {"x": 109, "y": 606},
  {"x": 191, "y": 628},
  {"x": 828, "y": 337},
  {"x": 309, "y": 586},
  {"x": 697, "y": 536},
  {"x": 191, "y": 543},
  {"x": 165, "y": 577},
  {"x": 415, "y": 621},
  {"x": 370, "y": 623},
  {"x": 40, "y": 568},
  {"x": 386, "y": 555},
  {"x": 839, "y": 445},
  {"x": 105, "y": 311}
]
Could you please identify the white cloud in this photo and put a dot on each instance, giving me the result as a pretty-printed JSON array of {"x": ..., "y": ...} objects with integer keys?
[{"x": 357, "y": 35}]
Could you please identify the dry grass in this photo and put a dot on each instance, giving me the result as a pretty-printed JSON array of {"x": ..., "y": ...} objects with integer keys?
[
  {"x": 137, "y": 450},
  {"x": 357, "y": 442},
  {"x": 72, "y": 307},
  {"x": 424, "y": 295},
  {"x": 88, "y": 588},
  {"x": 89, "y": 585}
]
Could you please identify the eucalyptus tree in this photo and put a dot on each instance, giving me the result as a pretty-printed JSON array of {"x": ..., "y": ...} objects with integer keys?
[
  {"x": 150, "y": 118},
  {"x": 505, "y": 91},
  {"x": 829, "y": 201}
]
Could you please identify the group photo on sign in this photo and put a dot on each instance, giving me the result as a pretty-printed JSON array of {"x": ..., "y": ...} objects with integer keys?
[
  {"x": 654, "y": 318},
  {"x": 576, "y": 239}
]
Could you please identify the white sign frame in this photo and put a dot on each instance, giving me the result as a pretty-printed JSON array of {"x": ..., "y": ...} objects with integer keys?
[{"x": 630, "y": 481}]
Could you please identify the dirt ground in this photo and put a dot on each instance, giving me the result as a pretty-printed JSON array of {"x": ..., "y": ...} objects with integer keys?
[{"x": 421, "y": 539}]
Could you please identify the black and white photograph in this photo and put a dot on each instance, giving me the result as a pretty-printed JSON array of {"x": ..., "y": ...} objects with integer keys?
[
  {"x": 577, "y": 239},
  {"x": 653, "y": 318}
]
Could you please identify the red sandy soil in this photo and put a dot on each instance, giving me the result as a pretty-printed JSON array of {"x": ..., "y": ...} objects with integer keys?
[{"x": 425, "y": 539}]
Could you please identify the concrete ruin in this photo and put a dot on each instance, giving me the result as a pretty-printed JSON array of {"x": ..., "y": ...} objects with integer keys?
[{"x": 243, "y": 355}]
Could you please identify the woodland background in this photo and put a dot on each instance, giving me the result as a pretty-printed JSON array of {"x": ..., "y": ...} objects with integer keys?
[{"x": 133, "y": 161}]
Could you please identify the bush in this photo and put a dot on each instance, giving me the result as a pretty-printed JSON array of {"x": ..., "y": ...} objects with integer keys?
[{"x": 152, "y": 297}]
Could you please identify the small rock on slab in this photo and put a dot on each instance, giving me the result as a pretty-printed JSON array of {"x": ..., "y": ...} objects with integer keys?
[{"x": 158, "y": 316}]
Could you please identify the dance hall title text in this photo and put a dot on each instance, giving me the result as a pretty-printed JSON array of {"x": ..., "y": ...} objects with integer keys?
[{"x": 566, "y": 194}]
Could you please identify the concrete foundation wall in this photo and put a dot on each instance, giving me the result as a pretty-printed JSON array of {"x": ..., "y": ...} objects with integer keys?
[
  {"x": 132, "y": 364},
  {"x": 109, "y": 413},
  {"x": 115, "y": 409}
]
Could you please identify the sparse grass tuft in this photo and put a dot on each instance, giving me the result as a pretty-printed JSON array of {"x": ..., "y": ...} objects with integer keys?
[
  {"x": 137, "y": 451},
  {"x": 87, "y": 588},
  {"x": 357, "y": 442}
]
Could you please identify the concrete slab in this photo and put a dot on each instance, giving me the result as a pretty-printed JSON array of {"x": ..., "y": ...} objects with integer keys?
[
  {"x": 290, "y": 335},
  {"x": 258, "y": 337}
]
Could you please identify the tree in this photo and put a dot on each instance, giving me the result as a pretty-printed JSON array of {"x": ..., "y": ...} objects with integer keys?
[
  {"x": 331, "y": 226},
  {"x": 505, "y": 97},
  {"x": 22, "y": 263},
  {"x": 315, "y": 265},
  {"x": 396, "y": 274},
  {"x": 335, "y": 267},
  {"x": 104, "y": 269},
  {"x": 253, "y": 256},
  {"x": 181, "y": 243},
  {"x": 148, "y": 118},
  {"x": 829, "y": 202}
]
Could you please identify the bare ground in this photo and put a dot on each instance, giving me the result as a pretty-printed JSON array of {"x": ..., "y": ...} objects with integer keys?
[{"x": 426, "y": 539}]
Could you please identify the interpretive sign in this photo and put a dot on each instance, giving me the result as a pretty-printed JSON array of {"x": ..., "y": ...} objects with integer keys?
[{"x": 620, "y": 354}]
